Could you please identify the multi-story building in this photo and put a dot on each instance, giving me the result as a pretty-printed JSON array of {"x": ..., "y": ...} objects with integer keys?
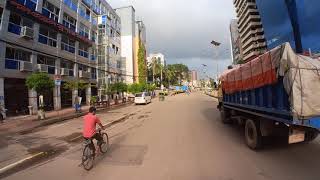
[
  {"x": 127, "y": 15},
  {"x": 295, "y": 21},
  {"x": 133, "y": 34},
  {"x": 58, "y": 37},
  {"x": 193, "y": 78},
  {"x": 140, "y": 40},
  {"x": 157, "y": 56},
  {"x": 250, "y": 29},
  {"x": 236, "y": 49}
]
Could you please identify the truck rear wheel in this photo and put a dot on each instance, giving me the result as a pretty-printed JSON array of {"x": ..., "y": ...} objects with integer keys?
[
  {"x": 253, "y": 134},
  {"x": 225, "y": 115},
  {"x": 311, "y": 135}
]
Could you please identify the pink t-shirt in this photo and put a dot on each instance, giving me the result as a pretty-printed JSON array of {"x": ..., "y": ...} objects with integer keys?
[{"x": 89, "y": 128}]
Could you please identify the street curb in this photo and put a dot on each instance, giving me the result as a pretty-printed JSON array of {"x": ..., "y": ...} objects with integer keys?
[{"x": 6, "y": 170}]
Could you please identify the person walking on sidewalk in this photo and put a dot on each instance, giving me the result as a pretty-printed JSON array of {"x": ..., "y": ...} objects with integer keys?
[{"x": 89, "y": 127}]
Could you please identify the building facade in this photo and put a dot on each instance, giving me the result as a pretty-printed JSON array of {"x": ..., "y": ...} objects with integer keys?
[
  {"x": 295, "y": 21},
  {"x": 62, "y": 38},
  {"x": 127, "y": 16},
  {"x": 140, "y": 40},
  {"x": 157, "y": 56},
  {"x": 250, "y": 28},
  {"x": 235, "y": 41}
]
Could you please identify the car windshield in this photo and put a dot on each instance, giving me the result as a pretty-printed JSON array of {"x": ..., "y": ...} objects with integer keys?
[{"x": 139, "y": 95}]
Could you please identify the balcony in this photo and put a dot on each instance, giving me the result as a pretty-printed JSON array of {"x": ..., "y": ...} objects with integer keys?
[
  {"x": 23, "y": 66},
  {"x": 68, "y": 48},
  {"x": 46, "y": 68},
  {"x": 14, "y": 28},
  {"x": 71, "y": 5},
  {"x": 84, "y": 34},
  {"x": 83, "y": 53},
  {"x": 84, "y": 74},
  {"x": 50, "y": 15},
  {"x": 87, "y": 2},
  {"x": 31, "y": 4},
  {"x": 69, "y": 25},
  {"x": 47, "y": 40},
  {"x": 66, "y": 72},
  {"x": 84, "y": 15}
]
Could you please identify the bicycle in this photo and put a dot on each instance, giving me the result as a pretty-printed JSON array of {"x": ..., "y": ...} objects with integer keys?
[{"x": 88, "y": 154}]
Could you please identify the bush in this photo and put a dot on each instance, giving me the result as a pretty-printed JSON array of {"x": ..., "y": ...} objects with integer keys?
[{"x": 40, "y": 82}]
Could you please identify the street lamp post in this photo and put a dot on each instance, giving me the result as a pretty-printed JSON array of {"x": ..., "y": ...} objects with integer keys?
[{"x": 216, "y": 44}]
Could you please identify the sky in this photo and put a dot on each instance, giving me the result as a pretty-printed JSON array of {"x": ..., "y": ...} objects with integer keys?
[{"x": 183, "y": 29}]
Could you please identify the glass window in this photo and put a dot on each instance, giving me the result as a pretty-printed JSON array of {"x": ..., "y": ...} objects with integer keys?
[
  {"x": 45, "y": 60},
  {"x": 69, "y": 22},
  {"x": 17, "y": 54},
  {"x": 50, "y": 11},
  {"x": 47, "y": 36}
]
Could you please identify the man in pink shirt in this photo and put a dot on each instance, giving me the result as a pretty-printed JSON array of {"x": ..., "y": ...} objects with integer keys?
[{"x": 89, "y": 128}]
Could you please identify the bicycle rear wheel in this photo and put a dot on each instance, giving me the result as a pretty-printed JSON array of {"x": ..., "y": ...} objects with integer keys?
[
  {"x": 87, "y": 158},
  {"x": 104, "y": 146}
]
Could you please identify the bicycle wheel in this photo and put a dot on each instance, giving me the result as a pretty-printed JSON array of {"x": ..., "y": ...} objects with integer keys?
[
  {"x": 104, "y": 146},
  {"x": 87, "y": 158}
]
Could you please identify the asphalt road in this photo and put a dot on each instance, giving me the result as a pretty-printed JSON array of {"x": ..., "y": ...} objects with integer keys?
[{"x": 183, "y": 138}]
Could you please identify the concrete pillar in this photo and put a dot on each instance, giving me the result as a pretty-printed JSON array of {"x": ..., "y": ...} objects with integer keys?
[
  {"x": 60, "y": 20},
  {"x": 2, "y": 103},
  {"x": 57, "y": 89},
  {"x": 36, "y": 29},
  {"x": 88, "y": 95},
  {"x": 4, "y": 22},
  {"x": 74, "y": 95},
  {"x": 59, "y": 37},
  {"x": 34, "y": 57},
  {"x": 2, "y": 57},
  {"x": 33, "y": 100}
]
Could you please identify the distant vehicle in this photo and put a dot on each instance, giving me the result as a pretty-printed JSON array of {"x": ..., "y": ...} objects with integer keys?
[
  {"x": 271, "y": 99},
  {"x": 142, "y": 98}
]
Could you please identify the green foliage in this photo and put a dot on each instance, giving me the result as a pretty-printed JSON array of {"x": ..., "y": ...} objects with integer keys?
[
  {"x": 93, "y": 100},
  {"x": 140, "y": 87},
  {"x": 118, "y": 87},
  {"x": 175, "y": 73},
  {"x": 40, "y": 82},
  {"x": 74, "y": 85},
  {"x": 142, "y": 69}
]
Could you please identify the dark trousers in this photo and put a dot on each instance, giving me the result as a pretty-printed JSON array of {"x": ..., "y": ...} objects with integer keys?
[{"x": 99, "y": 141}]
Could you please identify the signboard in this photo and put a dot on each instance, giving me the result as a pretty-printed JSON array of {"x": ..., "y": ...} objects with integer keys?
[{"x": 16, "y": 6}]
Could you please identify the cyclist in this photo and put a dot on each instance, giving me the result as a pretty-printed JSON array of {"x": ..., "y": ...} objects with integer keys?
[{"x": 89, "y": 128}]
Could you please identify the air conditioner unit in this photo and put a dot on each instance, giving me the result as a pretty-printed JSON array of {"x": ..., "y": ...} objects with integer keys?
[
  {"x": 27, "y": 32},
  {"x": 84, "y": 74},
  {"x": 64, "y": 72},
  {"x": 26, "y": 66},
  {"x": 42, "y": 68}
]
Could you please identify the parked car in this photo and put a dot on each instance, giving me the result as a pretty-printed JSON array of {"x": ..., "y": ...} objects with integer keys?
[{"x": 142, "y": 98}]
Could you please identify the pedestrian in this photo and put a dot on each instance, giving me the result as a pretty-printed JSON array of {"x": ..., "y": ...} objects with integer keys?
[{"x": 76, "y": 103}]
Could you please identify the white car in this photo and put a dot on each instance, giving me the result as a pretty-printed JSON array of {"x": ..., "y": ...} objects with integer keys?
[{"x": 142, "y": 98}]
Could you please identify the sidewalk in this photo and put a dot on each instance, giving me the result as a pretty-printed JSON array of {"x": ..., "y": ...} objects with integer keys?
[
  {"x": 22, "y": 124},
  {"x": 55, "y": 139}
]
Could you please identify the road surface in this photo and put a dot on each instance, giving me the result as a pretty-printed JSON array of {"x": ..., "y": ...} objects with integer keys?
[{"x": 182, "y": 138}]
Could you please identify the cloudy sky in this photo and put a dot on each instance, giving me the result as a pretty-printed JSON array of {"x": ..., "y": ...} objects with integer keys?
[{"x": 183, "y": 29}]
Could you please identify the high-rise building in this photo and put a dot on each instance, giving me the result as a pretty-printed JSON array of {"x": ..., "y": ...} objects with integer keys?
[
  {"x": 250, "y": 29},
  {"x": 294, "y": 21},
  {"x": 140, "y": 42},
  {"x": 236, "y": 49},
  {"x": 128, "y": 32},
  {"x": 157, "y": 56},
  {"x": 62, "y": 38},
  {"x": 133, "y": 34}
]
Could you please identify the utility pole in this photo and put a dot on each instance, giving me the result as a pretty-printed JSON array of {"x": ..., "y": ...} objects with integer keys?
[{"x": 216, "y": 44}]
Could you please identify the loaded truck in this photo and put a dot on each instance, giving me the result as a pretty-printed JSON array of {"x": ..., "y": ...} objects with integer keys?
[{"x": 275, "y": 94}]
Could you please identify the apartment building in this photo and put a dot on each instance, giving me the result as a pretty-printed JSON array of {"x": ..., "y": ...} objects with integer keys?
[
  {"x": 250, "y": 28},
  {"x": 132, "y": 33},
  {"x": 58, "y": 37},
  {"x": 235, "y": 41}
]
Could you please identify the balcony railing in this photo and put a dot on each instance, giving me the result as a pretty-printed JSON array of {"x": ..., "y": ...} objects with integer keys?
[
  {"x": 50, "y": 15},
  {"x": 68, "y": 48},
  {"x": 84, "y": 34},
  {"x": 71, "y": 5},
  {"x": 69, "y": 25},
  {"x": 83, "y": 53},
  {"x": 12, "y": 64},
  {"x": 84, "y": 15},
  {"x": 31, "y": 4},
  {"x": 14, "y": 28},
  {"x": 47, "y": 40}
]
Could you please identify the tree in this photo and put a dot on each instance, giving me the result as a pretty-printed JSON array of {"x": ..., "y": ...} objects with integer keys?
[
  {"x": 40, "y": 82},
  {"x": 75, "y": 85},
  {"x": 142, "y": 69}
]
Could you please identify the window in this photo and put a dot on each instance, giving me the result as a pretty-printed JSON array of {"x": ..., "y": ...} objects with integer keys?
[
  {"x": 50, "y": 11},
  {"x": 69, "y": 22},
  {"x": 93, "y": 36},
  {"x": 68, "y": 44},
  {"x": 93, "y": 73},
  {"x": 16, "y": 22},
  {"x": 47, "y": 36},
  {"x": 82, "y": 67},
  {"x": 72, "y": 4},
  {"x": 84, "y": 31},
  {"x": 31, "y": 4},
  {"x": 50, "y": 62},
  {"x": 14, "y": 56},
  {"x": 84, "y": 12},
  {"x": 67, "y": 65},
  {"x": 93, "y": 55},
  {"x": 83, "y": 50}
]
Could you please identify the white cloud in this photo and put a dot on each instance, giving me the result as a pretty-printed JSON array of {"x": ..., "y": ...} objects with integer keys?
[{"x": 183, "y": 29}]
